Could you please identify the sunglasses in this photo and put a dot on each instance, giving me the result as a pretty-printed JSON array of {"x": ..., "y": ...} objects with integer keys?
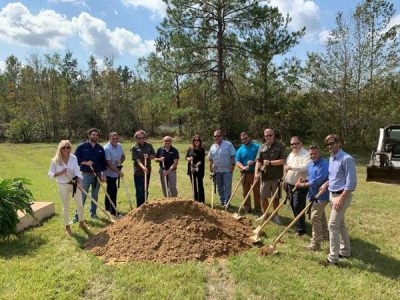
[
  {"x": 294, "y": 144},
  {"x": 330, "y": 144},
  {"x": 268, "y": 135},
  {"x": 196, "y": 140},
  {"x": 66, "y": 147},
  {"x": 167, "y": 141},
  {"x": 140, "y": 138},
  {"x": 246, "y": 138},
  {"x": 217, "y": 136}
]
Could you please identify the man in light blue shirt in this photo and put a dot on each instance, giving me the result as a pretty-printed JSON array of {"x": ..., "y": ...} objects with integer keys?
[
  {"x": 222, "y": 163},
  {"x": 342, "y": 182},
  {"x": 114, "y": 157},
  {"x": 246, "y": 160}
]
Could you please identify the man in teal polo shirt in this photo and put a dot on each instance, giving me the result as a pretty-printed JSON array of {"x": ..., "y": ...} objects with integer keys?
[{"x": 245, "y": 161}]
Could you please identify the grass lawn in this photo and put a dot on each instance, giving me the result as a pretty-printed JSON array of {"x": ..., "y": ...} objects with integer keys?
[{"x": 43, "y": 263}]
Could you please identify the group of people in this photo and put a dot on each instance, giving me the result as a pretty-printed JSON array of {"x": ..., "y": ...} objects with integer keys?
[{"x": 304, "y": 174}]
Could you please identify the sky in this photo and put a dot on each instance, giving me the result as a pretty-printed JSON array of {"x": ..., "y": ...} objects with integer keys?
[{"x": 126, "y": 29}]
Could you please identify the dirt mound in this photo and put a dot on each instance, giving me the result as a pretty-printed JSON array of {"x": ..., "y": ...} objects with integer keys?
[{"x": 172, "y": 230}]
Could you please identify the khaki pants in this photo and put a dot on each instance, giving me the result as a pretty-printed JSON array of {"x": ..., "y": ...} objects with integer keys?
[
  {"x": 267, "y": 189},
  {"x": 338, "y": 238},
  {"x": 319, "y": 225},
  {"x": 248, "y": 180},
  {"x": 65, "y": 192},
  {"x": 171, "y": 182}
]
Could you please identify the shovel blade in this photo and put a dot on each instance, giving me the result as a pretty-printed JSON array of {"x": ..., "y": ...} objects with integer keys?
[
  {"x": 237, "y": 216},
  {"x": 257, "y": 230},
  {"x": 255, "y": 238}
]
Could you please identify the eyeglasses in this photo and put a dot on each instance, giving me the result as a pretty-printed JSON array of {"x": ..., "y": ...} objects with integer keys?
[
  {"x": 268, "y": 135},
  {"x": 330, "y": 144},
  {"x": 217, "y": 136},
  {"x": 140, "y": 138},
  {"x": 66, "y": 147},
  {"x": 294, "y": 144}
]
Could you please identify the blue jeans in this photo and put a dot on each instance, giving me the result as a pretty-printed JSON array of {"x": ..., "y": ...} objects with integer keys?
[
  {"x": 139, "y": 187},
  {"x": 87, "y": 181},
  {"x": 224, "y": 184}
]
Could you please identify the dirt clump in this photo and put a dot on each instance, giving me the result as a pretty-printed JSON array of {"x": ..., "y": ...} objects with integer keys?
[{"x": 170, "y": 231}]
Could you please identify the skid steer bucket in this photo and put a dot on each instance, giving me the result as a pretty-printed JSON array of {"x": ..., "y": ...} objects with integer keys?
[{"x": 383, "y": 174}]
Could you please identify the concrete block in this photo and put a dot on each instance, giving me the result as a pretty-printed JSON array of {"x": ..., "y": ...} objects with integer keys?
[{"x": 41, "y": 210}]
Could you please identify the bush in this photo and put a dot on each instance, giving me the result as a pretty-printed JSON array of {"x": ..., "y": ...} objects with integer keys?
[{"x": 13, "y": 196}]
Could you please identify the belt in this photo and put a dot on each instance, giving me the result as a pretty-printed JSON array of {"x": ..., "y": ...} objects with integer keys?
[
  {"x": 338, "y": 192},
  {"x": 91, "y": 173}
]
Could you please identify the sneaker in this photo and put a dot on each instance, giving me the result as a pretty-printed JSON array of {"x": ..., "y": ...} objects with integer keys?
[
  {"x": 327, "y": 263},
  {"x": 277, "y": 220},
  {"x": 344, "y": 256},
  {"x": 313, "y": 247}
]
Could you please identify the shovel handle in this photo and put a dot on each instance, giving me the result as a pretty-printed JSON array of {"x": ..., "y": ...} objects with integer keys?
[
  {"x": 248, "y": 194},
  {"x": 97, "y": 203},
  {"x": 105, "y": 191},
  {"x": 235, "y": 189},
  {"x": 127, "y": 193}
]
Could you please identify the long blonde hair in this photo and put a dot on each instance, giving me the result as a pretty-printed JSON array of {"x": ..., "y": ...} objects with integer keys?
[{"x": 58, "y": 157}]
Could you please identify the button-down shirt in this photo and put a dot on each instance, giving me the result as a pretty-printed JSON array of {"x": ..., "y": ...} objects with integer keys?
[
  {"x": 72, "y": 166},
  {"x": 318, "y": 172},
  {"x": 246, "y": 153},
  {"x": 298, "y": 163},
  {"x": 342, "y": 172},
  {"x": 222, "y": 155},
  {"x": 86, "y": 152},
  {"x": 138, "y": 152},
  {"x": 113, "y": 154}
]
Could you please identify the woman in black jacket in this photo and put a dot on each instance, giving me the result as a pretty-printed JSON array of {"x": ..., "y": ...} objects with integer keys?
[{"x": 196, "y": 157}]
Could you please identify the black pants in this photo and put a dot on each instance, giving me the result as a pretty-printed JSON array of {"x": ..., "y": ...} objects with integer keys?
[
  {"x": 298, "y": 203},
  {"x": 198, "y": 186},
  {"x": 112, "y": 191}
]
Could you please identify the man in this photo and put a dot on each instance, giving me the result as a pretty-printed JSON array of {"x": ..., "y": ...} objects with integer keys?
[
  {"x": 317, "y": 175},
  {"x": 270, "y": 159},
  {"x": 245, "y": 161},
  {"x": 295, "y": 168},
  {"x": 141, "y": 151},
  {"x": 341, "y": 183},
  {"x": 222, "y": 163},
  {"x": 91, "y": 155},
  {"x": 114, "y": 158},
  {"x": 168, "y": 157}
]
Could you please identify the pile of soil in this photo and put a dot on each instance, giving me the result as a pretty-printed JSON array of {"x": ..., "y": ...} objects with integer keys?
[{"x": 170, "y": 231}]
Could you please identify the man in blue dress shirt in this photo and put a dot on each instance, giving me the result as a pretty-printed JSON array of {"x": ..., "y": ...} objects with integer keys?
[{"x": 342, "y": 182}]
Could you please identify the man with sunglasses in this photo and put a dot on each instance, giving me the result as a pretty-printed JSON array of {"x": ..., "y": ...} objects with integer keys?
[
  {"x": 245, "y": 161},
  {"x": 222, "y": 163},
  {"x": 342, "y": 181},
  {"x": 295, "y": 168},
  {"x": 90, "y": 156},
  {"x": 270, "y": 159},
  {"x": 142, "y": 152}
]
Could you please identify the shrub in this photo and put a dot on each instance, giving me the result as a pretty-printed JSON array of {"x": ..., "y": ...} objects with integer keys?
[{"x": 13, "y": 196}]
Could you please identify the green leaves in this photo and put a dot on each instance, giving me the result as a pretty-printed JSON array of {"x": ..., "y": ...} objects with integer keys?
[{"x": 13, "y": 197}]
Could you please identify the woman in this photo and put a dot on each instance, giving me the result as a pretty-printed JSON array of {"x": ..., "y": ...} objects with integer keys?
[
  {"x": 195, "y": 157},
  {"x": 64, "y": 167}
]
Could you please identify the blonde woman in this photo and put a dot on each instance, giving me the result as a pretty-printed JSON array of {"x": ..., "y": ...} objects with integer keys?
[{"x": 64, "y": 167}]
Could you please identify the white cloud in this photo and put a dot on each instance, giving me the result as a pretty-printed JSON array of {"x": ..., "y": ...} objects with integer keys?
[
  {"x": 47, "y": 29},
  {"x": 394, "y": 21},
  {"x": 323, "y": 36},
  {"x": 97, "y": 37},
  {"x": 50, "y": 30},
  {"x": 157, "y": 7},
  {"x": 303, "y": 13},
  {"x": 2, "y": 66}
]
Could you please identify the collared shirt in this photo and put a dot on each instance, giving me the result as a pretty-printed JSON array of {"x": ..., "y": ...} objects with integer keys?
[
  {"x": 298, "y": 163},
  {"x": 318, "y": 172},
  {"x": 114, "y": 154},
  {"x": 96, "y": 154},
  {"x": 221, "y": 156},
  {"x": 342, "y": 172},
  {"x": 246, "y": 153},
  {"x": 138, "y": 152},
  {"x": 73, "y": 170},
  {"x": 274, "y": 152},
  {"x": 170, "y": 155}
]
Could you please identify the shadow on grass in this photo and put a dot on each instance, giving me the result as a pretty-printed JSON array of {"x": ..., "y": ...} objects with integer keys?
[
  {"x": 373, "y": 260},
  {"x": 20, "y": 245}
]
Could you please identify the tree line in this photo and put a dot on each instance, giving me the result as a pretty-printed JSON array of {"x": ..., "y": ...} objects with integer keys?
[{"x": 218, "y": 64}]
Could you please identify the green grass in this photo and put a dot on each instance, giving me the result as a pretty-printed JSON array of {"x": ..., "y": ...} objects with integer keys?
[{"x": 43, "y": 263}]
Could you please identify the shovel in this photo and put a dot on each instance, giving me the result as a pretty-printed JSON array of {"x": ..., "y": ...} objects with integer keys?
[
  {"x": 237, "y": 215},
  {"x": 234, "y": 190},
  {"x": 212, "y": 189},
  {"x": 128, "y": 196},
  {"x": 145, "y": 181},
  {"x": 166, "y": 181},
  {"x": 271, "y": 248},
  {"x": 105, "y": 191}
]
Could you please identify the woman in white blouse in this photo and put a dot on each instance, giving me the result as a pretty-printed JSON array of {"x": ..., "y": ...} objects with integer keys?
[{"x": 64, "y": 167}]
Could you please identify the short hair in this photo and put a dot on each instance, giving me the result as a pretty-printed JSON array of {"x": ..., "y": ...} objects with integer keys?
[
  {"x": 167, "y": 138},
  {"x": 333, "y": 136},
  {"x": 139, "y": 132},
  {"x": 113, "y": 133},
  {"x": 297, "y": 137},
  {"x": 244, "y": 133},
  {"x": 219, "y": 131},
  {"x": 93, "y": 130},
  {"x": 314, "y": 147}
]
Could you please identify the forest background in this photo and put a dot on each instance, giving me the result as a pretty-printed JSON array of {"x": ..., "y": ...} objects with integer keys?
[{"x": 217, "y": 64}]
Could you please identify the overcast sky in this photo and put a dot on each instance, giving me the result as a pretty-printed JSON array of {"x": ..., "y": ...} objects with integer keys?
[{"x": 126, "y": 29}]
